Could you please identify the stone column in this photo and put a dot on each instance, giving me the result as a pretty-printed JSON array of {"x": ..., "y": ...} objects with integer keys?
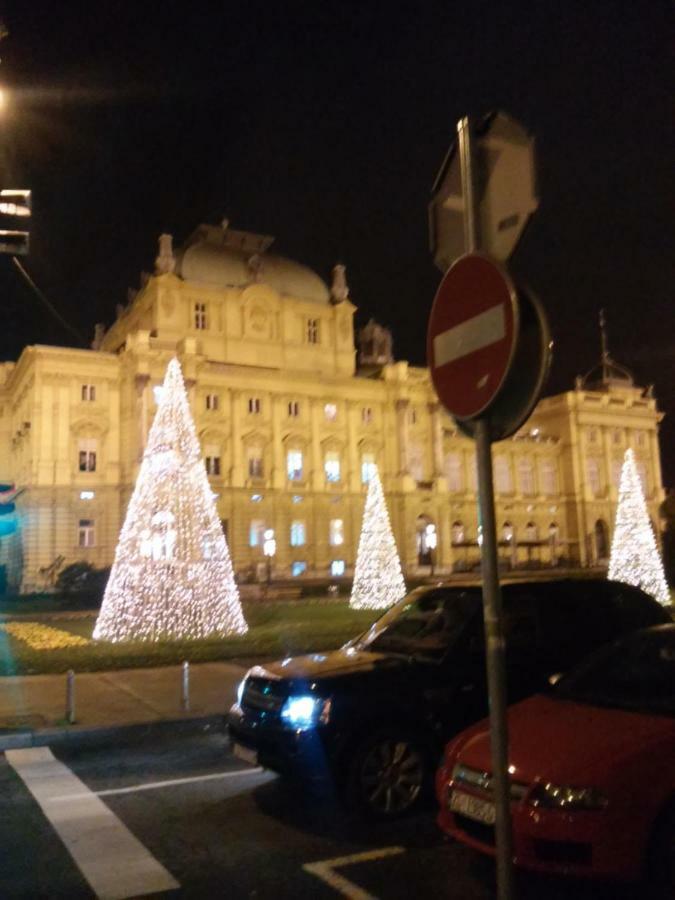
[
  {"x": 352, "y": 476},
  {"x": 402, "y": 435},
  {"x": 141, "y": 384},
  {"x": 436, "y": 439},
  {"x": 316, "y": 477},
  {"x": 236, "y": 471},
  {"x": 278, "y": 468}
]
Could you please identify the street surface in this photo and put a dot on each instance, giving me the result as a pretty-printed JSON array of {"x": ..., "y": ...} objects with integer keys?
[{"x": 184, "y": 818}]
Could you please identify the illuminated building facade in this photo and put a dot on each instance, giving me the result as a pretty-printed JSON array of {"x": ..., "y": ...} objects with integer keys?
[{"x": 290, "y": 418}]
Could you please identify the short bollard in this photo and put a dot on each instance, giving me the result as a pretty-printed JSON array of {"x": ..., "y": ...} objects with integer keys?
[
  {"x": 185, "y": 688},
  {"x": 70, "y": 697}
]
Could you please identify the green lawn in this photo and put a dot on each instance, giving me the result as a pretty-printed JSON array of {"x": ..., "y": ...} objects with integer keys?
[{"x": 275, "y": 630}]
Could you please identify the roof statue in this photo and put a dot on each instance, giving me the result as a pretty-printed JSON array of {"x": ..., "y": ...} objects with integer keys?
[
  {"x": 166, "y": 261},
  {"x": 339, "y": 289}
]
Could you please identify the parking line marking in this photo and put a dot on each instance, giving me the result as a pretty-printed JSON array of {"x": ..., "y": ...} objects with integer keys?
[
  {"x": 111, "y": 858},
  {"x": 154, "y": 785},
  {"x": 325, "y": 870}
]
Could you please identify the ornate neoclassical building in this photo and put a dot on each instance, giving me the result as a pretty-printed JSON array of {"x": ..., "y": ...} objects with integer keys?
[{"x": 291, "y": 416}]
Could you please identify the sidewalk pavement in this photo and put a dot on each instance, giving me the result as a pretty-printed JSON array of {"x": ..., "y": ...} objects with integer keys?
[{"x": 114, "y": 705}]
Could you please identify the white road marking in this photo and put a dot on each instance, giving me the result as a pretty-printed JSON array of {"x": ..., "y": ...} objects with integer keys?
[
  {"x": 325, "y": 870},
  {"x": 110, "y": 857},
  {"x": 480, "y": 331},
  {"x": 154, "y": 785}
]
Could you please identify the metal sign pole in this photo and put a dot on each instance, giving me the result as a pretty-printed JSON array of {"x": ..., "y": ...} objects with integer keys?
[{"x": 492, "y": 600}]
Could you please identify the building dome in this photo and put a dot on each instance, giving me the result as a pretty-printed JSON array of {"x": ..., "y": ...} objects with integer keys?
[{"x": 221, "y": 257}]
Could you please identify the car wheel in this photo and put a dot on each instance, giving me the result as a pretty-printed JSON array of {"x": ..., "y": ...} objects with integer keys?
[{"x": 387, "y": 776}]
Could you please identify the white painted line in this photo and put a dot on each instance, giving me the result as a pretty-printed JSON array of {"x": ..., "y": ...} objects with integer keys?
[
  {"x": 325, "y": 870},
  {"x": 154, "y": 785},
  {"x": 113, "y": 861},
  {"x": 480, "y": 331}
]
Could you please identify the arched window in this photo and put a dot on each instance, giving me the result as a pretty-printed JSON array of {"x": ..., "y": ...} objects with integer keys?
[
  {"x": 507, "y": 532},
  {"x": 457, "y": 533},
  {"x": 549, "y": 477},
  {"x": 503, "y": 480},
  {"x": 531, "y": 532},
  {"x": 453, "y": 471},
  {"x": 554, "y": 532},
  {"x": 526, "y": 476}
]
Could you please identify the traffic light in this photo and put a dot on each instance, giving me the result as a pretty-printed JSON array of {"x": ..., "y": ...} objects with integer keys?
[{"x": 14, "y": 204}]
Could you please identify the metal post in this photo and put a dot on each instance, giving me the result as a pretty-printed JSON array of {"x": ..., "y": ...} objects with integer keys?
[
  {"x": 185, "y": 688},
  {"x": 492, "y": 600},
  {"x": 70, "y": 697}
]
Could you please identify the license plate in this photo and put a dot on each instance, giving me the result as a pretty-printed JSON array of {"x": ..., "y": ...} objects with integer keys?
[
  {"x": 249, "y": 756},
  {"x": 473, "y": 807}
]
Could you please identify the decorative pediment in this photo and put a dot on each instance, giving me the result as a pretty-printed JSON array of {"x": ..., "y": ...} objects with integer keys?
[
  {"x": 89, "y": 426},
  {"x": 255, "y": 438}
]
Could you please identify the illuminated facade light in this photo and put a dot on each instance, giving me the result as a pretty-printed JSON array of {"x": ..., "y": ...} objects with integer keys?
[{"x": 87, "y": 495}]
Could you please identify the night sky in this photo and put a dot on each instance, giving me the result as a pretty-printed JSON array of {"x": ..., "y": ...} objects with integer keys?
[{"x": 324, "y": 124}]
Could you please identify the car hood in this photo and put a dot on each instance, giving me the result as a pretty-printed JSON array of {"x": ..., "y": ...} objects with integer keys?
[
  {"x": 569, "y": 743},
  {"x": 314, "y": 666}
]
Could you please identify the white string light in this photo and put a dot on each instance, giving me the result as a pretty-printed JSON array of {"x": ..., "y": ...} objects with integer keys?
[
  {"x": 172, "y": 578},
  {"x": 378, "y": 580},
  {"x": 635, "y": 557}
]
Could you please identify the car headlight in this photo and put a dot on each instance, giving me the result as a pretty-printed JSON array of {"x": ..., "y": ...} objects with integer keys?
[
  {"x": 303, "y": 711},
  {"x": 554, "y": 796}
]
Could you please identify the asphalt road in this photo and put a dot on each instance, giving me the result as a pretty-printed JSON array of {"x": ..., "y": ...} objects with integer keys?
[{"x": 185, "y": 812}]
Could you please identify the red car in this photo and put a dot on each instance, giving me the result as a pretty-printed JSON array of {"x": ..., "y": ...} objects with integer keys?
[{"x": 592, "y": 769}]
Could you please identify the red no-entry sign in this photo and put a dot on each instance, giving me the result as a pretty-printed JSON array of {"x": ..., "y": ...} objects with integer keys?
[{"x": 472, "y": 334}]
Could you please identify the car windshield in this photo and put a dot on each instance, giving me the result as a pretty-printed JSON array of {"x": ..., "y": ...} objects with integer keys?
[
  {"x": 424, "y": 625},
  {"x": 636, "y": 674}
]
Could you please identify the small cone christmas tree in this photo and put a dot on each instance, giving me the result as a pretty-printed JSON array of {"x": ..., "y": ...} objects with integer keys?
[
  {"x": 378, "y": 580},
  {"x": 635, "y": 556},
  {"x": 172, "y": 577}
]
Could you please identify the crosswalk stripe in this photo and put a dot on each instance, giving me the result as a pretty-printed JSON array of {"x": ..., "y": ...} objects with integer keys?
[{"x": 110, "y": 857}]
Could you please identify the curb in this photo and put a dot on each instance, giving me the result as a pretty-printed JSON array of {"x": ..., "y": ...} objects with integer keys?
[{"x": 91, "y": 736}]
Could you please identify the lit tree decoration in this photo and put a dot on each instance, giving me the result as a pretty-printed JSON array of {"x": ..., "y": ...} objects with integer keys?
[
  {"x": 172, "y": 577},
  {"x": 635, "y": 557},
  {"x": 378, "y": 580}
]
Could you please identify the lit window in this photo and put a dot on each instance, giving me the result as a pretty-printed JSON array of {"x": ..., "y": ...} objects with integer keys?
[
  {"x": 531, "y": 532},
  {"x": 549, "y": 477},
  {"x": 507, "y": 532},
  {"x": 297, "y": 498},
  {"x": 453, "y": 472},
  {"x": 88, "y": 392},
  {"x": 312, "y": 331},
  {"x": 367, "y": 415},
  {"x": 337, "y": 567},
  {"x": 200, "y": 316},
  {"x": 526, "y": 477},
  {"x": 330, "y": 412},
  {"x": 293, "y": 409},
  {"x": 87, "y": 455},
  {"x": 298, "y": 568},
  {"x": 367, "y": 467},
  {"x": 255, "y": 462},
  {"x": 331, "y": 465},
  {"x": 297, "y": 533},
  {"x": 294, "y": 465},
  {"x": 254, "y": 405},
  {"x": 256, "y": 533},
  {"x": 336, "y": 535},
  {"x": 87, "y": 495},
  {"x": 212, "y": 401},
  {"x": 256, "y": 498},
  {"x": 503, "y": 482},
  {"x": 458, "y": 535},
  {"x": 86, "y": 534}
]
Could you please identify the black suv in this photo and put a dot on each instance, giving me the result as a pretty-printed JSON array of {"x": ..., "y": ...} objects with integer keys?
[{"x": 374, "y": 715}]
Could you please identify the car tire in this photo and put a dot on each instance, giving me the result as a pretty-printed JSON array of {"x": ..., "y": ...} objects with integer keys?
[
  {"x": 662, "y": 853},
  {"x": 387, "y": 775}
]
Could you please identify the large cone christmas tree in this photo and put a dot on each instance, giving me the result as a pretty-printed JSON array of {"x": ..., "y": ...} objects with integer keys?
[
  {"x": 172, "y": 577},
  {"x": 378, "y": 580},
  {"x": 635, "y": 557}
]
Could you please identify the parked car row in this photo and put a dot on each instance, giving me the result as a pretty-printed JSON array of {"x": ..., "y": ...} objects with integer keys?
[{"x": 597, "y": 752}]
